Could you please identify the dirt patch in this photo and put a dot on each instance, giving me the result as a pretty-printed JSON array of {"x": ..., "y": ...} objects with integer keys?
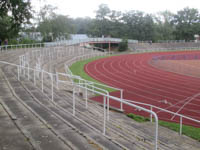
[{"x": 185, "y": 67}]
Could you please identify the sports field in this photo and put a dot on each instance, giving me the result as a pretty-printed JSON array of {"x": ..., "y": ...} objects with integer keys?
[{"x": 144, "y": 82}]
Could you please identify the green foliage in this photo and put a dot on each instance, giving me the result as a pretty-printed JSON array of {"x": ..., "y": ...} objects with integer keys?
[
  {"x": 138, "y": 25},
  {"x": 13, "y": 14},
  {"x": 52, "y": 25},
  {"x": 145, "y": 27},
  {"x": 78, "y": 69},
  {"x": 27, "y": 41},
  {"x": 138, "y": 118},
  {"x": 123, "y": 46},
  {"x": 187, "y": 23},
  {"x": 186, "y": 130},
  {"x": 82, "y": 25},
  {"x": 21, "y": 41}
]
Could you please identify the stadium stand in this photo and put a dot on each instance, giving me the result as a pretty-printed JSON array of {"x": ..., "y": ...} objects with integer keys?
[{"x": 31, "y": 120}]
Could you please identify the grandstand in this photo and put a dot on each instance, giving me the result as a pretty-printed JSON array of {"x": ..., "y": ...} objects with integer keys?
[
  {"x": 163, "y": 46},
  {"x": 42, "y": 108}
]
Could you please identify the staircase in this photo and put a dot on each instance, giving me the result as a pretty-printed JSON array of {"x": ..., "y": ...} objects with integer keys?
[{"x": 36, "y": 122}]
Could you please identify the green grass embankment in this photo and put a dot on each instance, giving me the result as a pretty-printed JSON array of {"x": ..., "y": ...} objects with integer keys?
[
  {"x": 78, "y": 69},
  {"x": 190, "y": 131}
]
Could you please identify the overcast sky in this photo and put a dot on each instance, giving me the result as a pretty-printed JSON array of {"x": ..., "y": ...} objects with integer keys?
[{"x": 83, "y": 8}]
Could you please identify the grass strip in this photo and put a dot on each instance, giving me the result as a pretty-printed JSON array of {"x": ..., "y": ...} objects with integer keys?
[
  {"x": 78, "y": 69},
  {"x": 186, "y": 130}
]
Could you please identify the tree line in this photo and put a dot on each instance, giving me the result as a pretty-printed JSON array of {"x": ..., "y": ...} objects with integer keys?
[{"x": 15, "y": 16}]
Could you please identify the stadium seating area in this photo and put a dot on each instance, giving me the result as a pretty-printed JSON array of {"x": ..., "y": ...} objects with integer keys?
[
  {"x": 31, "y": 120},
  {"x": 151, "y": 46}
]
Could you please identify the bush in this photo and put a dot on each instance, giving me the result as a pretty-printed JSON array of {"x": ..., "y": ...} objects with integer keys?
[
  {"x": 138, "y": 118},
  {"x": 27, "y": 41},
  {"x": 21, "y": 41},
  {"x": 123, "y": 45}
]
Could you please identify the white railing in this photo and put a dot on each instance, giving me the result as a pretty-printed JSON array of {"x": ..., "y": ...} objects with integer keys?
[
  {"x": 90, "y": 85},
  {"x": 165, "y": 110},
  {"x": 20, "y": 46},
  {"x": 87, "y": 40},
  {"x": 82, "y": 57},
  {"x": 61, "y": 43},
  {"x": 144, "y": 104},
  {"x": 25, "y": 59},
  {"x": 85, "y": 85},
  {"x": 87, "y": 56}
]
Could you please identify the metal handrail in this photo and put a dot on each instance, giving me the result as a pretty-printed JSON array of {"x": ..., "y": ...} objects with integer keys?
[
  {"x": 124, "y": 102},
  {"x": 164, "y": 110},
  {"x": 66, "y": 42},
  {"x": 105, "y": 94},
  {"x": 151, "y": 106},
  {"x": 77, "y": 58}
]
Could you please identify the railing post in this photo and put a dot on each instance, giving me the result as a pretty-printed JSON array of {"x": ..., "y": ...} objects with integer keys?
[
  {"x": 86, "y": 96},
  {"x": 121, "y": 96},
  {"x": 57, "y": 80},
  {"x": 156, "y": 133},
  {"x": 34, "y": 76},
  {"x": 52, "y": 98},
  {"x": 74, "y": 99},
  {"x": 181, "y": 121},
  {"x": 42, "y": 77},
  {"x": 28, "y": 72},
  {"x": 18, "y": 74},
  {"x": 151, "y": 114},
  {"x": 104, "y": 115},
  {"x": 108, "y": 107},
  {"x": 93, "y": 88},
  {"x": 79, "y": 82}
]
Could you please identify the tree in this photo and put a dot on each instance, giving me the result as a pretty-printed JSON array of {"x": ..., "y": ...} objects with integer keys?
[
  {"x": 123, "y": 45},
  {"x": 116, "y": 25},
  {"x": 47, "y": 12},
  {"x": 186, "y": 22},
  {"x": 61, "y": 26},
  {"x": 138, "y": 25},
  {"x": 82, "y": 25},
  {"x": 164, "y": 27},
  {"x": 13, "y": 13},
  {"x": 102, "y": 22},
  {"x": 53, "y": 26}
]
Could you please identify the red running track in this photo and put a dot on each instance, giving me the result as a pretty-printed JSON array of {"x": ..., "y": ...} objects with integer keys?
[{"x": 144, "y": 83}]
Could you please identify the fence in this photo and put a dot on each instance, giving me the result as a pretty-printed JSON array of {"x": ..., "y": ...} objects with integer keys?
[
  {"x": 37, "y": 73},
  {"x": 61, "y": 43}
]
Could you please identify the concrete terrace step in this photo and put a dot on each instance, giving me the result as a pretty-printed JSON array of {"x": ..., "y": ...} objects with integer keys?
[
  {"x": 11, "y": 136},
  {"x": 34, "y": 131},
  {"x": 168, "y": 139},
  {"x": 145, "y": 134},
  {"x": 93, "y": 121},
  {"x": 53, "y": 115}
]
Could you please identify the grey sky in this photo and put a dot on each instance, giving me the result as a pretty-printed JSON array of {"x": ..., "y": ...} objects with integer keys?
[{"x": 82, "y": 8}]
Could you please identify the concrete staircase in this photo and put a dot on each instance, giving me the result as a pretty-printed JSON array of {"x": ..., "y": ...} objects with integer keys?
[{"x": 44, "y": 124}]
